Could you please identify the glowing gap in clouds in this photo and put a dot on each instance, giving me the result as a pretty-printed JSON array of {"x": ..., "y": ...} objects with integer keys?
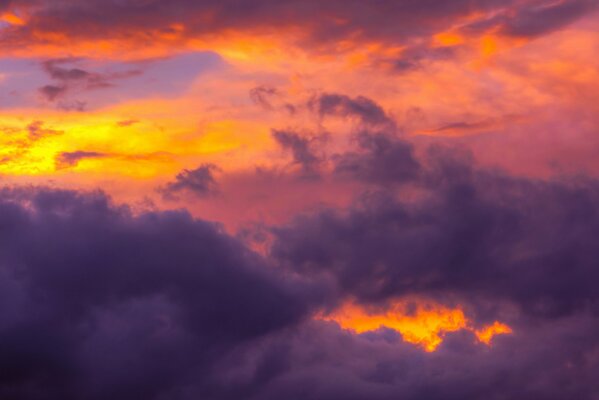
[{"x": 423, "y": 324}]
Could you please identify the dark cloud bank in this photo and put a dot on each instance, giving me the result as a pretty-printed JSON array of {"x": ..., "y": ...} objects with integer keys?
[
  {"x": 97, "y": 302},
  {"x": 100, "y": 303}
]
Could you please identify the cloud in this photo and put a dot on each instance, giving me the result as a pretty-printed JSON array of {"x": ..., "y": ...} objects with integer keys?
[
  {"x": 417, "y": 57},
  {"x": 21, "y": 140},
  {"x": 36, "y": 131},
  {"x": 53, "y": 68},
  {"x": 68, "y": 159},
  {"x": 377, "y": 153},
  {"x": 316, "y": 26},
  {"x": 100, "y": 303},
  {"x": 127, "y": 122},
  {"x": 362, "y": 108},
  {"x": 381, "y": 158},
  {"x": 319, "y": 361},
  {"x": 533, "y": 19},
  {"x": 465, "y": 126},
  {"x": 546, "y": 18},
  {"x": 474, "y": 234},
  {"x": 52, "y": 92},
  {"x": 260, "y": 95},
  {"x": 72, "y": 78},
  {"x": 301, "y": 150},
  {"x": 198, "y": 182}
]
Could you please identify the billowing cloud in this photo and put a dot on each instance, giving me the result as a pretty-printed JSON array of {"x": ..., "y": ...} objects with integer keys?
[
  {"x": 404, "y": 196},
  {"x": 321, "y": 362},
  {"x": 102, "y": 302},
  {"x": 98, "y": 302},
  {"x": 474, "y": 234}
]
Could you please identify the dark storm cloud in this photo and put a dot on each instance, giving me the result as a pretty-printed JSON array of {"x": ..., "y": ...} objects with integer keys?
[
  {"x": 320, "y": 362},
  {"x": 98, "y": 303},
  {"x": 455, "y": 230},
  {"x": 474, "y": 234},
  {"x": 198, "y": 182}
]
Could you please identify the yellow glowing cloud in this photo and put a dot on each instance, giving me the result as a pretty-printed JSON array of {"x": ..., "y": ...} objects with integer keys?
[
  {"x": 423, "y": 323},
  {"x": 139, "y": 139}
]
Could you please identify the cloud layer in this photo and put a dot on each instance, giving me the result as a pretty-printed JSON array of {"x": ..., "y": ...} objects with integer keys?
[
  {"x": 391, "y": 199},
  {"x": 175, "y": 22},
  {"x": 101, "y": 302}
]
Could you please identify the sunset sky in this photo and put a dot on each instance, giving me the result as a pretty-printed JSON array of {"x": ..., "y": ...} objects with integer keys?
[{"x": 299, "y": 199}]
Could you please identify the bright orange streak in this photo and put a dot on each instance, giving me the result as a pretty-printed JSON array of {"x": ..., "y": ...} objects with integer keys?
[{"x": 425, "y": 326}]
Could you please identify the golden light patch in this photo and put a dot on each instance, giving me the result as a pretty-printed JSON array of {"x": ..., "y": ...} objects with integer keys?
[
  {"x": 164, "y": 137},
  {"x": 31, "y": 146},
  {"x": 488, "y": 46},
  {"x": 422, "y": 323},
  {"x": 448, "y": 39},
  {"x": 486, "y": 334},
  {"x": 12, "y": 19}
]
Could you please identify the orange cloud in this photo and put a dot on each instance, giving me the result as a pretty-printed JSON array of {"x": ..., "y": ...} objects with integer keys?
[
  {"x": 420, "y": 323},
  {"x": 120, "y": 31},
  {"x": 12, "y": 19},
  {"x": 487, "y": 333}
]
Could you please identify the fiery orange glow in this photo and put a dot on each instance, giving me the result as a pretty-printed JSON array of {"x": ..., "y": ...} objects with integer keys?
[
  {"x": 486, "y": 334},
  {"x": 12, "y": 19},
  {"x": 420, "y": 323},
  {"x": 449, "y": 38}
]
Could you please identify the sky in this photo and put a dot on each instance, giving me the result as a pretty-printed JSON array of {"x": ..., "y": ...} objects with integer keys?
[{"x": 299, "y": 199}]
